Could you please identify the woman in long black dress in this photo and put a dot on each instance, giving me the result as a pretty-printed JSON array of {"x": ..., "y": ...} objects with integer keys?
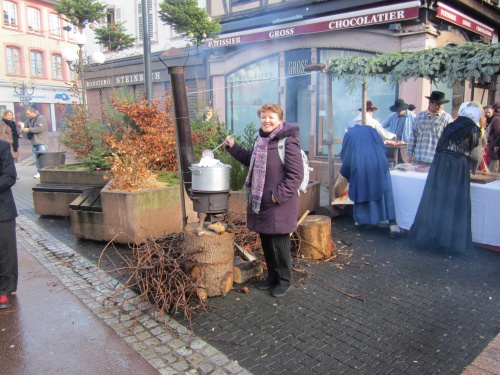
[{"x": 444, "y": 214}]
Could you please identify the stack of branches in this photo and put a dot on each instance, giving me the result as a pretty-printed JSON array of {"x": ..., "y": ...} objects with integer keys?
[{"x": 157, "y": 270}]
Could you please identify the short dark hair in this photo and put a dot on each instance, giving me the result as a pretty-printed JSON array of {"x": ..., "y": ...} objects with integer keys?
[
  {"x": 411, "y": 107},
  {"x": 30, "y": 109},
  {"x": 487, "y": 107}
]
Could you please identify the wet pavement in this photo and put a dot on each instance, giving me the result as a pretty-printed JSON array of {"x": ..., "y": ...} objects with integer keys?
[
  {"x": 48, "y": 330},
  {"x": 387, "y": 308}
]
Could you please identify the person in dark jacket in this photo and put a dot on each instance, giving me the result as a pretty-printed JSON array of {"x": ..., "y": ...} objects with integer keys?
[
  {"x": 38, "y": 134},
  {"x": 272, "y": 193},
  {"x": 8, "y": 119},
  {"x": 494, "y": 138},
  {"x": 8, "y": 214}
]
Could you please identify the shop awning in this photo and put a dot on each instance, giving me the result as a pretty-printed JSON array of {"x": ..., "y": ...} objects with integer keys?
[
  {"x": 455, "y": 17},
  {"x": 366, "y": 17}
]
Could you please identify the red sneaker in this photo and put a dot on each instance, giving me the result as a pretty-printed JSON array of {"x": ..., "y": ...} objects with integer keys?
[{"x": 4, "y": 301}]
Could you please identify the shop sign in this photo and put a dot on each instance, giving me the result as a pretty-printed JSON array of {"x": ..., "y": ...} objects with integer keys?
[
  {"x": 367, "y": 17},
  {"x": 455, "y": 17},
  {"x": 62, "y": 96},
  {"x": 119, "y": 80},
  {"x": 296, "y": 60}
]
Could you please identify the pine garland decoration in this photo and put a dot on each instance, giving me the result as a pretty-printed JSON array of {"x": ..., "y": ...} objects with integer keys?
[{"x": 450, "y": 64}]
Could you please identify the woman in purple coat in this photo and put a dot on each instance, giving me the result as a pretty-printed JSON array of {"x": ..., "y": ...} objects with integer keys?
[{"x": 272, "y": 193}]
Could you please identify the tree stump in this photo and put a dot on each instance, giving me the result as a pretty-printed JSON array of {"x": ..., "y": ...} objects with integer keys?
[
  {"x": 315, "y": 234},
  {"x": 213, "y": 254}
]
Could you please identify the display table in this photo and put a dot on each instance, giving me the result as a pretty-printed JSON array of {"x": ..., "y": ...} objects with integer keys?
[
  {"x": 396, "y": 153},
  {"x": 485, "y": 203}
]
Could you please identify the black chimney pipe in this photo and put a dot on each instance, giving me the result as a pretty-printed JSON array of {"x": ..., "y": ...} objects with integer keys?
[{"x": 182, "y": 123}]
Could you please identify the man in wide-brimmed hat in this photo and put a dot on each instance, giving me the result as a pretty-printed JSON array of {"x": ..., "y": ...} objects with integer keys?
[
  {"x": 429, "y": 125},
  {"x": 370, "y": 121},
  {"x": 401, "y": 121}
]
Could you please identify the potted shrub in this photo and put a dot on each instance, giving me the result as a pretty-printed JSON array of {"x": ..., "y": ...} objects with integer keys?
[{"x": 140, "y": 141}]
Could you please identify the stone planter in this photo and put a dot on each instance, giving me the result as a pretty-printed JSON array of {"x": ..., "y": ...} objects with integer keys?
[
  {"x": 132, "y": 217},
  {"x": 81, "y": 176},
  {"x": 50, "y": 159},
  {"x": 59, "y": 187}
]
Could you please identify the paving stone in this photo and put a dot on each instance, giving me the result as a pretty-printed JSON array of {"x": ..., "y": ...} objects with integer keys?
[
  {"x": 419, "y": 306},
  {"x": 180, "y": 365},
  {"x": 205, "y": 368},
  {"x": 219, "y": 360}
]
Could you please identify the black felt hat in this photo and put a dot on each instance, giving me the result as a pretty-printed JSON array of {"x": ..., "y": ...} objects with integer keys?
[
  {"x": 399, "y": 105},
  {"x": 437, "y": 97}
]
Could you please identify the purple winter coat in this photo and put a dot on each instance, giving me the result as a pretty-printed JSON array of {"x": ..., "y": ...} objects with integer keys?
[{"x": 282, "y": 181}]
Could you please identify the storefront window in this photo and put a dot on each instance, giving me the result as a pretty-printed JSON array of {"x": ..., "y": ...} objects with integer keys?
[
  {"x": 249, "y": 88},
  {"x": 43, "y": 108},
  {"x": 346, "y": 104}
]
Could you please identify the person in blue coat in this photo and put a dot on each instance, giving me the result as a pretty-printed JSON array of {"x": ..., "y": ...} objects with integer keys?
[
  {"x": 272, "y": 193},
  {"x": 365, "y": 166},
  {"x": 8, "y": 214}
]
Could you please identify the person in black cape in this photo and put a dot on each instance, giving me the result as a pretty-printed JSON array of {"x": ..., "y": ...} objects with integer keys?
[{"x": 443, "y": 218}]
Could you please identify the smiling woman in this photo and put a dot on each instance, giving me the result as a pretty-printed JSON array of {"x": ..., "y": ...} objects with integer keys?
[{"x": 272, "y": 200}]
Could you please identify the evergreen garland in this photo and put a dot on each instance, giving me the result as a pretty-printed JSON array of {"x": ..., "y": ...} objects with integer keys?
[{"x": 450, "y": 64}]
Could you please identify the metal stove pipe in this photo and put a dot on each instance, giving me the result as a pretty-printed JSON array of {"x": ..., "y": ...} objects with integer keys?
[{"x": 182, "y": 123}]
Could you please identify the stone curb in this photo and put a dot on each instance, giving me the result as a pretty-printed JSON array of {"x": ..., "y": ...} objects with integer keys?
[{"x": 167, "y": 345}]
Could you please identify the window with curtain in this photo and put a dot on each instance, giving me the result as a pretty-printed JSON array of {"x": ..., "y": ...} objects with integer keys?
[
  {"x": 13, "y": 56},
  {"x": 10, "y": 14},
  {"x": 57, "y": 65},
  {"x": 34, "y": 24},
  {"x": 36, "y": 63},
  {"x": 55, "y": 25}
]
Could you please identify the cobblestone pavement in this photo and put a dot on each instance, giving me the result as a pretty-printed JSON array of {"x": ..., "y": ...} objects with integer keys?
[
  {"x": 167, "y": 345},
  {"x": 416, "y": 311}
]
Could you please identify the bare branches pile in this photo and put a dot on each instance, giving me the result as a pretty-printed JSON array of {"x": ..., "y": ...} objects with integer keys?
[{"x": 157, "y": 270}]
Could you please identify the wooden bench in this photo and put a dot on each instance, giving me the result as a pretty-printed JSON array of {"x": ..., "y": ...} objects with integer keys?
[
  {"x": 55, "y": 199},
  {"x": 88, "y": 200}
]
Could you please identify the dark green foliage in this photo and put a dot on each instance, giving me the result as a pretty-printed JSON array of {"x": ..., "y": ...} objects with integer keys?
[
  {"x": 451, "y": 64},
  {"x": 96, "y": 160},
  {"x": 81, "y": 12},
  {"x": 239, "y": 172},
  {"x": 170, "y": 178},
  {"x": 189, "y": 20},
  {"x": 113, "y": 36}
]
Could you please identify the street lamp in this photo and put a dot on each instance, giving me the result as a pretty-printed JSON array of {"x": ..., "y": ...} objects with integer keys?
[
  {"x": 24, "y": 92},
  {"x": 78, "y": 61}
]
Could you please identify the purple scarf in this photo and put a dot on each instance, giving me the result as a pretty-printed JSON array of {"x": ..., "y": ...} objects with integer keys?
[{"x": 257, "y": 171}]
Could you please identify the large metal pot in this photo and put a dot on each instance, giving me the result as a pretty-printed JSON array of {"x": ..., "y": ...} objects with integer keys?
[{"x": 210, "y": 178}]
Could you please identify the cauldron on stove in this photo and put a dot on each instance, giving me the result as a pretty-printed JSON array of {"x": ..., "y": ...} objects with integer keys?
[{"x": 210, "y": 192}]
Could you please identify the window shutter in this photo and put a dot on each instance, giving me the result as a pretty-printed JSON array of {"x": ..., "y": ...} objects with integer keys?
[
  {"x": 140, "y": 21},
  {"x": 118, "y": 15}
]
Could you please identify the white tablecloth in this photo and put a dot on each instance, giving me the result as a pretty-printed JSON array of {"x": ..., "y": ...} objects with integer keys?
[{"x": 485, "y": 201}]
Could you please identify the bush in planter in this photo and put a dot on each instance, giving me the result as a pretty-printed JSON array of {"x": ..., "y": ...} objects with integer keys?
[
  {"x": 148, "y": 144},
  {"x": 85, "y": 137}
]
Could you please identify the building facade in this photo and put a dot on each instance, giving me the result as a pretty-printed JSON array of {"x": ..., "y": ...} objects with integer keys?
[
  {"x": 32, "y": 71},
  {"x": 264, "y": 46}
]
